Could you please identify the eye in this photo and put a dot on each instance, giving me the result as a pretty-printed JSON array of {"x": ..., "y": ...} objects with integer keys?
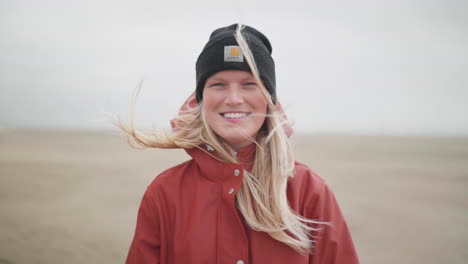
[
  {"x": 216, "y": 85},
  {"x": 250, "y": 85}
]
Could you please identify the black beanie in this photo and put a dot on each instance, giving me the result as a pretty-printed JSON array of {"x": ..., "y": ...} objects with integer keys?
[{"x": 223, "y": 53}]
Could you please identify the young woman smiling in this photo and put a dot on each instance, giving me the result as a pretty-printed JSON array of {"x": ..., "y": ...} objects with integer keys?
[
  {"x": 242, "y": 198},
  {"x": 234, "y": 107}
]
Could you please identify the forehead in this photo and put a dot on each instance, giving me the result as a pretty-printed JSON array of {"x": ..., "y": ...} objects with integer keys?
[{"x": 231, "y": 75}]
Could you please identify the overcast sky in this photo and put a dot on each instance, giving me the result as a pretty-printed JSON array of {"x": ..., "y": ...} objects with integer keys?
[{"x": 373, "y": 67}]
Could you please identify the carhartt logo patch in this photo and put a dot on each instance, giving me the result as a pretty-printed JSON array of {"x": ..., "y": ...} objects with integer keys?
[{"x": 233, "y": 53}]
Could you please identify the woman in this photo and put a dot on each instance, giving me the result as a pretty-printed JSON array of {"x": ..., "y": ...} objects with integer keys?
[{"x": 241, "y": 198}]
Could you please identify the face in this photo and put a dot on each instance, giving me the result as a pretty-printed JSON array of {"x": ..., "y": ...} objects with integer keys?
[{"x": 234, "y": 106}]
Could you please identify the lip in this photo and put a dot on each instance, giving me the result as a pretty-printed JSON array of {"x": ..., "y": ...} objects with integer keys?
[{"x": 234, "y": 120}]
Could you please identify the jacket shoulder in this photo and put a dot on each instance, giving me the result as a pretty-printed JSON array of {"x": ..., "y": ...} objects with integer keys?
[
  {"x": 303, "y": 175},
  {"x": 304, "y": 188},
  {"x": 170, "y": 176}
]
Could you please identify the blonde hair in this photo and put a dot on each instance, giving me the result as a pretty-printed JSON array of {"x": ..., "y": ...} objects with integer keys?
[{"x": 262, "y": 198}]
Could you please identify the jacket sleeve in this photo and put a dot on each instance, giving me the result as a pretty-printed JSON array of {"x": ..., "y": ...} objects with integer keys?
[
  {"x": 333, "y": 242},
  {"x": 145, "y": 247}
]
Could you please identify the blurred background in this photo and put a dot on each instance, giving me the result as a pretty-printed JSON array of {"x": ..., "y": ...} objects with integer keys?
[{"x": 377, "y": 92}]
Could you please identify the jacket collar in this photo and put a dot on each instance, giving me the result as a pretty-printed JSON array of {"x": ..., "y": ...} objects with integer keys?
[{"x": 218, "y": 171}]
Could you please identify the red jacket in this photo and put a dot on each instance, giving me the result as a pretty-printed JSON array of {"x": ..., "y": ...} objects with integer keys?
[{"x": 188, "y": 215}]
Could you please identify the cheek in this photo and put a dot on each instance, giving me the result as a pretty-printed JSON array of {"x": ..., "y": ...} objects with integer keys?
[
  {"x": 261, "y": 118},
  {"x": 210, "y": 109},
  {"x": 259, "y": 103},
  {"x": 210, "y": 100}
]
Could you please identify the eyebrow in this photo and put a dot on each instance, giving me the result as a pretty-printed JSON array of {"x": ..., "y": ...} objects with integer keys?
[{"x": 222, "y": 79}]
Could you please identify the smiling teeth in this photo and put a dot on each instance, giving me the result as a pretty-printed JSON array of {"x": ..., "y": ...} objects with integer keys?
[{"x": 234, "y": 115}]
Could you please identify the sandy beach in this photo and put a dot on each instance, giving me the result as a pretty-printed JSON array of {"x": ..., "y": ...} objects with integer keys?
[{"x": 72, "y": 197}]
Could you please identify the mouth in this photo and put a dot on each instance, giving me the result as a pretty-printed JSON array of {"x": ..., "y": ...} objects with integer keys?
[{"x": 234, "y": 116}]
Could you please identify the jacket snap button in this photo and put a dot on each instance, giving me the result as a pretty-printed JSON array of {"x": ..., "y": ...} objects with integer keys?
[
  {"x": 240, "y": 262},
  {"x": 230, "y": 192},
  {"x": 209, "y": 148},
  {"x": 236, "y": 172}
]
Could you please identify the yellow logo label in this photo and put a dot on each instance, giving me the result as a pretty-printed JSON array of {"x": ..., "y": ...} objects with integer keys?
[{"x": 233, "y": 53}]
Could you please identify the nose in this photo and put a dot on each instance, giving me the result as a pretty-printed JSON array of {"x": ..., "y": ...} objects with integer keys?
[{"x": 234, "y": 96}]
